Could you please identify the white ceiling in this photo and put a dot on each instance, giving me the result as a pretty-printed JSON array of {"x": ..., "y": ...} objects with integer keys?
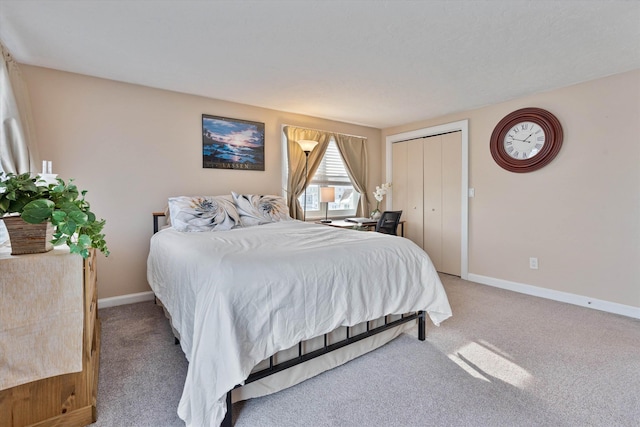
[{"x": 375, "y": 63}]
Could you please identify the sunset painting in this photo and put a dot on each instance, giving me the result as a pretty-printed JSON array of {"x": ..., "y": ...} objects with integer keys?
[{"x": 232, "y": 143}]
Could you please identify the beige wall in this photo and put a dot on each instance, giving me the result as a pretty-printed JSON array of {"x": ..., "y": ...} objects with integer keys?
[
  {"x": 579, "y": 215},
  {"x": 132, "y": 147}
]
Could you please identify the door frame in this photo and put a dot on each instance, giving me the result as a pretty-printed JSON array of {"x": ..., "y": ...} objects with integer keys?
[{"x": 463, "y": 127}]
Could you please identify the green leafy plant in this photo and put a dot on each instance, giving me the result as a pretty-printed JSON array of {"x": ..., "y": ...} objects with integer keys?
[{"x": 61, "y": 203}]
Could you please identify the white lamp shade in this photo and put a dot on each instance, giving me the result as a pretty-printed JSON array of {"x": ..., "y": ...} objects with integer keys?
[
  {"x": 327, "y": 194},
  {"x": 307, "y": 144}
]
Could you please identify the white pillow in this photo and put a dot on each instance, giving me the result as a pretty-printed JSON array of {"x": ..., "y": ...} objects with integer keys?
[
  {"x": 256, "y": 210},
  {"x": 167, "y": 212},
  {"x": 202, "y": 213}
]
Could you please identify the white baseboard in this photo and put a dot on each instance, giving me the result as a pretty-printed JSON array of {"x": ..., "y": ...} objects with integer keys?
[
  {"x": 583, "y": 301},
  {"x": 125, "y": 299}
]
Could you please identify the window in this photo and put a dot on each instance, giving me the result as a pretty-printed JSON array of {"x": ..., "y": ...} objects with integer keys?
[{"x": 331, "y": 173}]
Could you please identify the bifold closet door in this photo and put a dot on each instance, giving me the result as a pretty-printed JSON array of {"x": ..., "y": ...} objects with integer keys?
[
  {"x": 432, "y": 196},
  {"x": 426, "y": 186},
  {"x": 399, "y": 180},
  {"x": 415, "y": 192},
  {"x": 451, "y": 203},
  {"x": 407, "y": 187},
  {"x": 442, "y": 201}
]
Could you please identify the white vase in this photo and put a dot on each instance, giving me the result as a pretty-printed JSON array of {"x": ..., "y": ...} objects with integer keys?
[{"x": 376, "y": 214}]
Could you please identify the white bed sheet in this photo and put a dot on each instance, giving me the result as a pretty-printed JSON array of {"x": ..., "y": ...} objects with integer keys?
[{"x": 239, "y": 296}]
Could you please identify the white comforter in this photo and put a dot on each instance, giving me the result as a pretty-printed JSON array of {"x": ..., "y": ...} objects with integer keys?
[{"x": 236, "y": 297}]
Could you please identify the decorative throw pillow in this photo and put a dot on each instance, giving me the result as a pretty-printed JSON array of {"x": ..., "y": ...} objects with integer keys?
[
  {"x": 256, "y": 210},
  {"x": 202, "y": 213}
]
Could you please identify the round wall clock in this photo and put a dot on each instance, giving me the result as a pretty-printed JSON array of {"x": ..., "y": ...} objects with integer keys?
[{"x": 526, "y": 140}]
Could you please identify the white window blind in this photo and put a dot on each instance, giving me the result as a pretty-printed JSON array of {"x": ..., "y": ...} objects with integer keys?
[{"x": 331, "y": 171}]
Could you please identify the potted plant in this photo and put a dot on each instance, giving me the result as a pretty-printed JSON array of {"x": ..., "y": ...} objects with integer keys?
[{"x": 59, "y": 206}]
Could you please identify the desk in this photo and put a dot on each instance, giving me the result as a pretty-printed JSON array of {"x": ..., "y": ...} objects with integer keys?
[{"x": 371, "y": 225}]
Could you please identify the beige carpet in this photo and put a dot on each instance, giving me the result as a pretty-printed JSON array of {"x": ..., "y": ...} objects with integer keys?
[{"x": 504, "y": 359}]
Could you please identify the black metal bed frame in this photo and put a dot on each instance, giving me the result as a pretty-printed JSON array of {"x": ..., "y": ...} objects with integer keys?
[{"x": 326, "y": 348}]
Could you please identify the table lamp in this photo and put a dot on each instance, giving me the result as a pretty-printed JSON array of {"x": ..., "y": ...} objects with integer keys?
[{"x": 327, "y": 195}]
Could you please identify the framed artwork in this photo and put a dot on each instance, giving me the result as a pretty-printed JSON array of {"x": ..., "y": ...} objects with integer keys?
[{"x": 232, "y": 143}]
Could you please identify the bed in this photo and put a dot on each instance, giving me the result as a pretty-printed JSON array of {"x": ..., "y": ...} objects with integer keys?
[{"x": 253, "y": 289}]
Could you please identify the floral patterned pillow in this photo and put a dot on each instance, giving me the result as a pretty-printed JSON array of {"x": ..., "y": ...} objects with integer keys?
[
  {"x": 203, "y": 213},
  {"x": 256, "y": 210}
]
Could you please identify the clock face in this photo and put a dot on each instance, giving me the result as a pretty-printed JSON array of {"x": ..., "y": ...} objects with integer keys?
[{"x": 524, "y": 140}]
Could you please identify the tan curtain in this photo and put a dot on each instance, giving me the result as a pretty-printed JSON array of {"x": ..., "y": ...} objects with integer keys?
[
  {"x": 296, "y": 162},
  {"x": 18, "y": 148},
  {"x": 353, "y": 150}
]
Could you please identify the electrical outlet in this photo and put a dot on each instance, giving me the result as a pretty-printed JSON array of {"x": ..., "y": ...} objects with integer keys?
[{"x": 533, "y": 263}]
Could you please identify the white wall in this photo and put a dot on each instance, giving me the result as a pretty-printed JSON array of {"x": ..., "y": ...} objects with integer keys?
[
  {"x": 579, "y": 215},
  {"x": 132, "y": 147}
]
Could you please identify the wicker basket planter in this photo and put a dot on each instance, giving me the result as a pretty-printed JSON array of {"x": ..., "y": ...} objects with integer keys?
[{"x": 28, "y": 238}]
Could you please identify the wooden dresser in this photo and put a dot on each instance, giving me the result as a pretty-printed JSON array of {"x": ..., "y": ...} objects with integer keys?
[{"x": 62, "y": 400}]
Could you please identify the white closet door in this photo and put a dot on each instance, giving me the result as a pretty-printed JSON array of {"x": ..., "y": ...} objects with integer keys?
[
  {"x": 432, "y": 193},
  {"x": 451, "y": 203},
  {"x": 426, "y": 186},
  {"x": 414, "y": 214},
  {"x": 399, "y": 178}
]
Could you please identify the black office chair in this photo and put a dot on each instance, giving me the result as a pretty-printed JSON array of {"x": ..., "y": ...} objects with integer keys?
[{"x": 388, "y": 222}]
